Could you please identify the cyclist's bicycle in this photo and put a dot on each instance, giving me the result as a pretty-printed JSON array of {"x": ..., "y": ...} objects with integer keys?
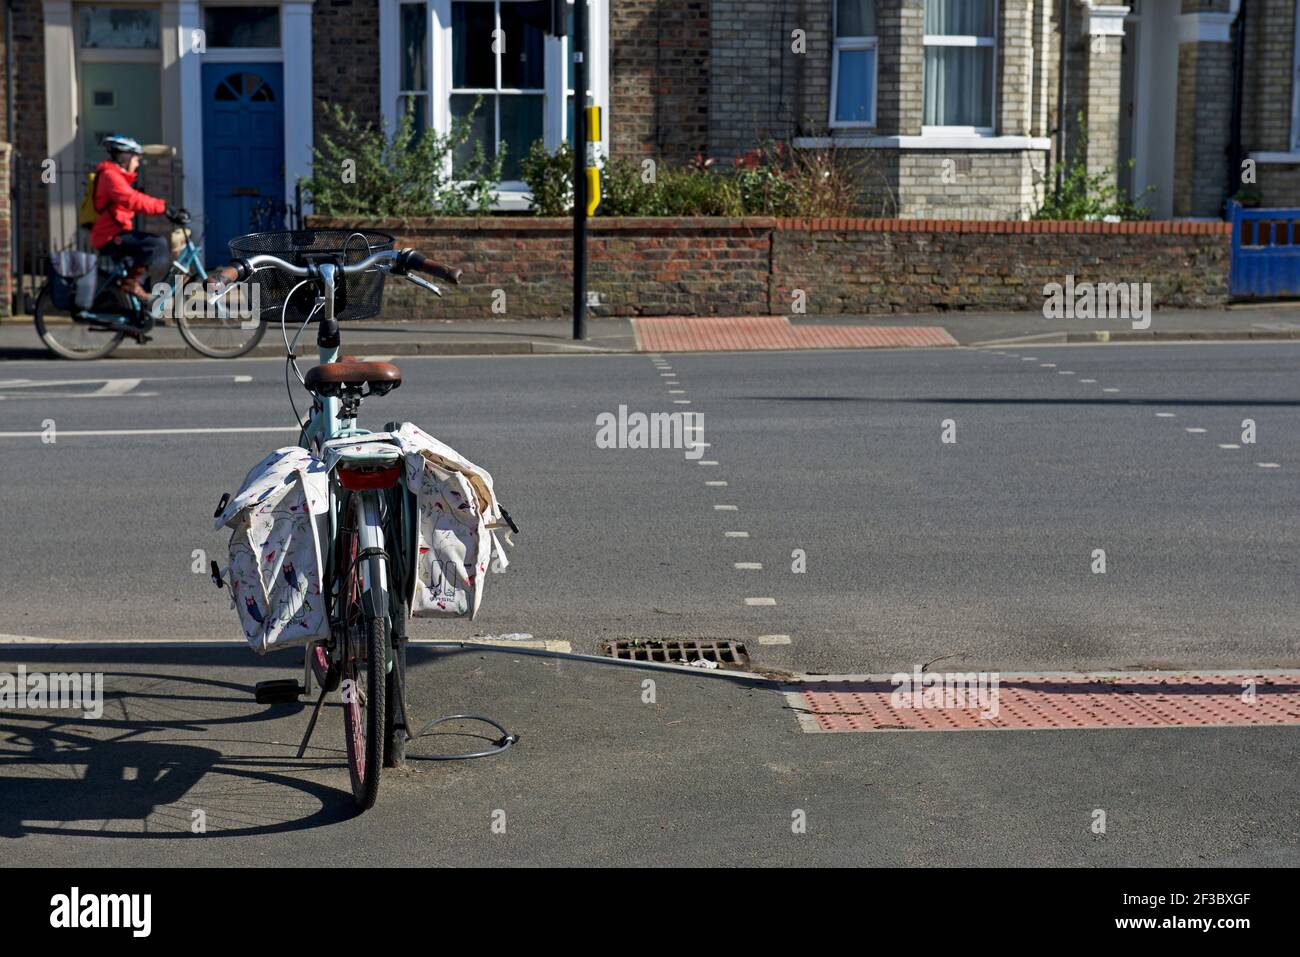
[
  {"x": 368, "y": 574},
  {"x": 216, "y": 330}
]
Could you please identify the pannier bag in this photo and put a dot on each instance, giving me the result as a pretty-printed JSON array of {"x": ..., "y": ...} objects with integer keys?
[
  {"x": 459, "y": 518},
  {"x": 278, "y": 519},
  {"x": 73, "y": 277}
]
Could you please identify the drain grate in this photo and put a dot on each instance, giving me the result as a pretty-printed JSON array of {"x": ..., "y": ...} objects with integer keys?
[{"x": 726, "y": 654}]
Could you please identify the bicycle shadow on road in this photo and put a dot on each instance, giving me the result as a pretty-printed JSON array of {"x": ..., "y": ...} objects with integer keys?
[{"x": 170, "y": 757}]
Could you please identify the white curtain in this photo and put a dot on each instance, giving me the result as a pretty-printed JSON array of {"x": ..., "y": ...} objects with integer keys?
[
  {"x": 974, "y": 18},
  {"x": 959, "y": 79},
  {"x": 959, "y": 86}
]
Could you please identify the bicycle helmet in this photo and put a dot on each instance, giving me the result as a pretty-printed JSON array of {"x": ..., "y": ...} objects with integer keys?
[{"x": 122, "y": 144}]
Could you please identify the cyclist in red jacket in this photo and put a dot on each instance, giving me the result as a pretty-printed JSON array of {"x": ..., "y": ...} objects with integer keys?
[{"x": 117, "y": 201}]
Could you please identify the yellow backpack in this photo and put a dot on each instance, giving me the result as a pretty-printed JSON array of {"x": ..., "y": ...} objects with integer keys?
[{"x": 88, "y": 212}]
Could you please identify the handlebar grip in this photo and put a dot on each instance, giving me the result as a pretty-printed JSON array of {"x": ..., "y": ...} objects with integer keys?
[{"x": 416, "y": 261}]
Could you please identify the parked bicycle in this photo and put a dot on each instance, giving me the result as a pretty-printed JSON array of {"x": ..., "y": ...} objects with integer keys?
[
  {"x": 220, "y": 330},
  {"x": 372, "y": 541}
]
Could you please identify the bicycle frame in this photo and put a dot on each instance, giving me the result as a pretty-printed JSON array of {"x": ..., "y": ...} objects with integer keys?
[
  {"x": 190, "y": 258},
  {"x": 325, "y": 423}
]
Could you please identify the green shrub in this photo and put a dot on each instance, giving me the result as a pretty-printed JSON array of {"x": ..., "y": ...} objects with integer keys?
[
  {"x": 624, "y": 190},
  {"x": 772, "y": 180},
  {"x": 360, "y": 171},
  {"x": 550, "y": 177},
  {"x": 1081, "y": 196}
]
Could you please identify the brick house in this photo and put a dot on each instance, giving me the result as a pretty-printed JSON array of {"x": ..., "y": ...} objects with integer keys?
[{"x": 952, "y": 103}]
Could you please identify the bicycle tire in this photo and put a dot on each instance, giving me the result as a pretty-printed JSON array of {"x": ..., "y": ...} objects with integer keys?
[
  {"x": 365, "y": 743},
  {"x": 365, "y": 640},
  {"x": 394, "y": 691},
  {"x": 189, "y": 327},
  {"x": 59, "y": 344}
]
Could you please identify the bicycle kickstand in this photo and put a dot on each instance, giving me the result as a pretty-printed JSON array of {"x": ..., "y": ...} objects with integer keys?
[{"x": 311, "y": 725}]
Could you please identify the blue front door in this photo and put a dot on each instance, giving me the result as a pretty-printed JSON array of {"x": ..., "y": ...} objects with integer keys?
[{"x": 243, "y": 148}]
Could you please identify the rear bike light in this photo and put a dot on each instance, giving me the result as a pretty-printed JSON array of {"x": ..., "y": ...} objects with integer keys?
[{"x": 360, "y": 478}]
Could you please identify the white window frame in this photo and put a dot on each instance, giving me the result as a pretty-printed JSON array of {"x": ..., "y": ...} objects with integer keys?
[
  {"x": 399, "y": 93},
  {"x": 839, "y": 44},
  {"x": 511, "y": 194},
  {"x": 940, "y": 40}
]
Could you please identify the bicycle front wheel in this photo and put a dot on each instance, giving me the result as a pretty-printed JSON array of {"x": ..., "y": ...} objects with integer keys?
[
  {"x": 69, "y": 337},
  {"x": 225, "y": 331}
]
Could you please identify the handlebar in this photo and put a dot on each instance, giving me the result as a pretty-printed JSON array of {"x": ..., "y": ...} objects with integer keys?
[
  {"x": 409, "y": 259},
  {"x": 398, "y": 262}
]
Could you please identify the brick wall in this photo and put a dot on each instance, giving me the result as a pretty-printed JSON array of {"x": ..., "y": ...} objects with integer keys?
[
  {"x": 968, "y": 184},
  {"x": 345, "y": 58},
  {"x": 921, "y": 265},
  {"x": 660, "y": 68},
  {"x": 753, "y": 71},
  {"x": 6, "y": 234},
  {"x": 1203, "y": 128},
  {"x": 751, "y": 266},
  {"x": 648, "y": 267},
  {"x": 29, "y": 78},
  {"x": 1266, "y": 100}
]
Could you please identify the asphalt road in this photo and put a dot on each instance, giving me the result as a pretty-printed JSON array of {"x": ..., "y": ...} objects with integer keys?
[{"x": 914, "y": 548}]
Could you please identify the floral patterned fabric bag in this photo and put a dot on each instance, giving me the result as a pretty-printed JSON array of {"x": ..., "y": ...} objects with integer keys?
[
  {"x": 278, "y": 520},
  {"x": 458, "y": 521}
]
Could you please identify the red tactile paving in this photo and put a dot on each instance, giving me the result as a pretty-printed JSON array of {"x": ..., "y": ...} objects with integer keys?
[
  {"x": 1128, "y": 700},
  {"x": 736, "y": 333}
]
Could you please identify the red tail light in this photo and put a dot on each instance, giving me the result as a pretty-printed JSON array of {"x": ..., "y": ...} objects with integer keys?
[{"x": 361, "y": 478}]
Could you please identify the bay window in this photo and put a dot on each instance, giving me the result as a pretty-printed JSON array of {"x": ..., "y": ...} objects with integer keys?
[
  {"x": 440, "y": 57},
  {"x": 960, "y": 64}
]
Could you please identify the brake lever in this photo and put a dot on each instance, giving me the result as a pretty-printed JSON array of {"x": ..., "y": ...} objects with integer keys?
[{"x": 425, "y": 283}]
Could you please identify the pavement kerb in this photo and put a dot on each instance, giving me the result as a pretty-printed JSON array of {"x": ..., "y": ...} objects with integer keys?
[
  {"x": 741, "y": 677},
  {"x": 1119, "y": 338}
]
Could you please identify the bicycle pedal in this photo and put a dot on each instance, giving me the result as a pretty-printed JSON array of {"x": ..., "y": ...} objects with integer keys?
[{"x": 278, "y": 691}]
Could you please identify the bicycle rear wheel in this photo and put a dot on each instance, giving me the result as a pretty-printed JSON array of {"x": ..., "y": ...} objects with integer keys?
[
  {"x": 395, "y": 730},
  {"x": 363, "y": 670},
  {"x": 363, "y": 709},
  {"x": 68, "y": 337},
  {"x": 225, "y": 331}
]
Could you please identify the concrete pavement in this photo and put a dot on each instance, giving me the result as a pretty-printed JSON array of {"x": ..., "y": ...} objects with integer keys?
[{"x": 712, "y": 773}]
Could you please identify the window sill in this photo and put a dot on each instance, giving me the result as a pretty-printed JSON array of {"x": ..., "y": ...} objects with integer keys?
[
  {"x": 1292, "y": 157},
  {"x": 929, "y": 141}
]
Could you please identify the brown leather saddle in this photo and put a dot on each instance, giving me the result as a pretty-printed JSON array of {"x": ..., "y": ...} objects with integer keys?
[{"x": 333, "y": 379}]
